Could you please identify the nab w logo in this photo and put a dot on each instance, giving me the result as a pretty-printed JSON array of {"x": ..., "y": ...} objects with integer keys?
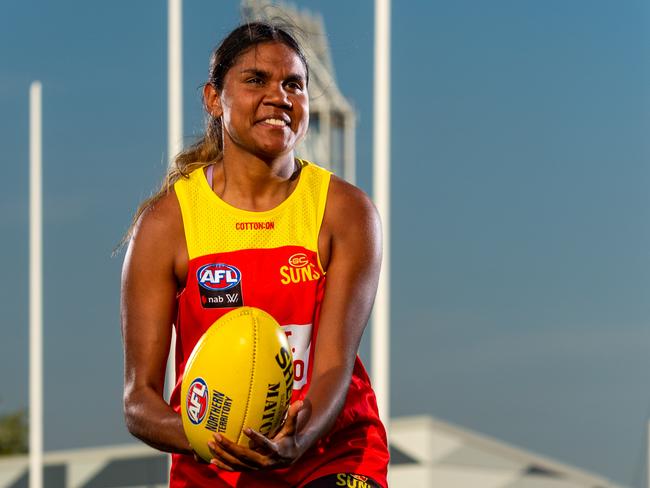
[
  {"x": 197, "y": 401},
  {"x": 218, "y": 276},
  {"x": 220, "y": 286}
]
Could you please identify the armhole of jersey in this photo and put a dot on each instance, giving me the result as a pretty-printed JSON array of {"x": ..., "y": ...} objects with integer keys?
[
  {"x": 320, "y": 213},
  {"x": 181, "y": 190}
]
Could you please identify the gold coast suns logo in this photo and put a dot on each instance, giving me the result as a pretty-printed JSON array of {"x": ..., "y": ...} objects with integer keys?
[{"x": 299, "y": 270}]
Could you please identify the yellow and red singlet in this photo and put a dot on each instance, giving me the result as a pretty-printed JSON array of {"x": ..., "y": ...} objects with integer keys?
[{"x": 269, "y": 260}]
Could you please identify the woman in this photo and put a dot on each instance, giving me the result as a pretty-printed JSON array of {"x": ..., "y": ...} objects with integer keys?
[{"x": 239, "y": 197}]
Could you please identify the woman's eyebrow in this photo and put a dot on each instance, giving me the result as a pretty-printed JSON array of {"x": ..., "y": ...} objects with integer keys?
[
  {"x": 256, "y": 72},
  {"x": 265, "y": 74},
  {"x": 295, "y": 77}
]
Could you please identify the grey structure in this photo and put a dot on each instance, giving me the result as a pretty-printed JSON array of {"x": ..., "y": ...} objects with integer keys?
[
  {"x": 330, "y": 141},
  {"x": 113, "y": 466},
  {"x": 430, "y": 453}
]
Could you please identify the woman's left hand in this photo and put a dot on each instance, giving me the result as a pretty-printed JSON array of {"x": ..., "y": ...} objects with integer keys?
[{"x": 264, "y": 453}]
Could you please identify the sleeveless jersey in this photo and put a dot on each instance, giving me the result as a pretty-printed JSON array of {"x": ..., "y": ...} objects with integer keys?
[{"x": 269, "y": 260}]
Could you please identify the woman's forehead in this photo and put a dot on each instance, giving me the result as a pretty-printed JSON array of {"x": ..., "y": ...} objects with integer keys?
[{"x": 270, "y": 55}]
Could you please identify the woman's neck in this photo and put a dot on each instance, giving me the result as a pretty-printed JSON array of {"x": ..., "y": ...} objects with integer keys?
[{"x": 251, "y": 183}]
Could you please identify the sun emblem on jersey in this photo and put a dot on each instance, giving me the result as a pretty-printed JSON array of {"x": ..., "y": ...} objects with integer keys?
[{"x": 299, "y": 270}]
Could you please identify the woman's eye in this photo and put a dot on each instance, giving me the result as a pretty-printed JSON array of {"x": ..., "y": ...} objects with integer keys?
[{"x": 294, "y": 85}]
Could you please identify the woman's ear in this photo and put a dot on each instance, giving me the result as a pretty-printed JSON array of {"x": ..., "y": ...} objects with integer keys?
[{"x": 212, "y": 100}]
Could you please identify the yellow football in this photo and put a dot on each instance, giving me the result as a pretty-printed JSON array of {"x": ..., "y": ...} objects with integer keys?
[{"x": 240, "y": 374}]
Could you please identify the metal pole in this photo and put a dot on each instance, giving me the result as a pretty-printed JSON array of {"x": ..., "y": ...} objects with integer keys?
[
  {"x": 381, "y": 193},
  {"x": 349, "y": 130},
  {"x": 647, "y": 453},
  {"x": 174, "y": 129},
  {"x": 175, "y": 121},
  {"x": 175, "y": 77},
  {"x": 35, "y": 289}
]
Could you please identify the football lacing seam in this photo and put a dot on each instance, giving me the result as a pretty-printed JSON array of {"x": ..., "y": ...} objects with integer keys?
[{"x": 252, "y": 378}]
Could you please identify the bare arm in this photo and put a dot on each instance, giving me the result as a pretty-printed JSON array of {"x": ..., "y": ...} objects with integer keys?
[
  {"x": 350, "y": 248},
  {"x": 150, "y": 279}
]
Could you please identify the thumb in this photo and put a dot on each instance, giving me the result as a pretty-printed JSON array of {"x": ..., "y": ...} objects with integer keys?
[{"x": 292, "y": 416}]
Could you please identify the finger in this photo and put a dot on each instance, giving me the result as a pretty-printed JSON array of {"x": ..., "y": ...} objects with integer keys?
[
  {"x": 289, "y": 426},
  {"x": 295, "y": 407},
  {"x": 220, "y": 464},
  {"x": 228, "y": 462},
  {"x": 260, "y": 440},
  {"x": 246, "y": 457},
  {"x": 199, "y": 459},
  {"x": 216, "y": 452},
  {"x": 280, "y": 453},
  {"x": 233, "y": 460}
]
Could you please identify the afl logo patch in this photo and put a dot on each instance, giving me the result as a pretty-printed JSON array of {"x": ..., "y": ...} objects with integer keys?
[
  {"x": 197, "y": 401},
  {"x": 299, "y": 260},
  {"x": 218, "y": 277}
]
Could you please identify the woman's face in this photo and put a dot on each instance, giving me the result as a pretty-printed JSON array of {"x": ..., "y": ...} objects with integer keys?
[{"x": 264, "y": 101}]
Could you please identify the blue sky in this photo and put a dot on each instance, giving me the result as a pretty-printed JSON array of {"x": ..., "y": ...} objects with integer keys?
[{"x": 521, "y": 213}]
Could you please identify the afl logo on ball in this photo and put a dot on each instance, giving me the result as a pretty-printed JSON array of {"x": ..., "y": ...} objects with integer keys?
[
  {"x": 197, "y": 401},
  {"x": 218, "y": 276}
]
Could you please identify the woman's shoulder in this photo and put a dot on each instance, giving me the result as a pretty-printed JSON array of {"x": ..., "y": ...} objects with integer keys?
[
  {"x": 158, "y": 239},
  {"x": 340, "y": 192},
  {"x": 161, "y": 218},
  {"x": 343, "y": 193},
  {"x": 347, "y": 204}
]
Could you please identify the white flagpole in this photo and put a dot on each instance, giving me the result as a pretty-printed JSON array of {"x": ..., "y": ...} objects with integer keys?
[
  {"x": 174, "y": 128},
  {"x": 35, "y": 289},
  {"x": 175, "y": 77},
  {"x": 648, "y": 454},
  {"x": 174, "y": 119},
  {"x": 381, "y": 192}
]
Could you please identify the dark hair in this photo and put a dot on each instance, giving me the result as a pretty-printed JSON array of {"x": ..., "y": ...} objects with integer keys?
[
  {"x": 240, "y": 40},
  {"x": 209, "y": 148}
]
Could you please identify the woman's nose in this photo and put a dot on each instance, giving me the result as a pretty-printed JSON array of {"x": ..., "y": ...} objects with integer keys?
[{"x": 277, "y": 95}]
